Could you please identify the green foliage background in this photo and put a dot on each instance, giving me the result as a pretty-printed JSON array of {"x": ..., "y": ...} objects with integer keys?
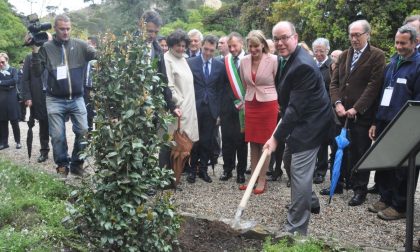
[
  {"x": 12, "y": 32},
  {"x": 330, "y": 19}
]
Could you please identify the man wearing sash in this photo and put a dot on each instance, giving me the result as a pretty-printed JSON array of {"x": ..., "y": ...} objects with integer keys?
[{"x": 232, "y": 113}]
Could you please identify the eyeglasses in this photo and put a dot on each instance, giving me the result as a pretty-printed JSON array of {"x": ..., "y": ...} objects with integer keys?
[
  {"x": 356, "y": 35},
  {"x": 283, "y": 39}
]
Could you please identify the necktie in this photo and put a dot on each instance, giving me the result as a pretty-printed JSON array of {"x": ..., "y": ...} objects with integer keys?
[
  {"x": 319, "y": 64},
  {"x": 206, "y": 70},
  {"x": 236, "y": 61},
  {"x": 356, "y": 56},
  {"x": 283, "y": 63}
]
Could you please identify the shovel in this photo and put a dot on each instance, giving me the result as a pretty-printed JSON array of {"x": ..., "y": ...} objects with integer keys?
[{"x": 241, "y": 208}]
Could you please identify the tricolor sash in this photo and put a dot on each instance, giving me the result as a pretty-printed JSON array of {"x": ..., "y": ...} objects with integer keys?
[{"x": 237, "y": 88}]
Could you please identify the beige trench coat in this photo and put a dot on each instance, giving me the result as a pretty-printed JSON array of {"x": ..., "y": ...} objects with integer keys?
[{"x": 181, "y": 84}]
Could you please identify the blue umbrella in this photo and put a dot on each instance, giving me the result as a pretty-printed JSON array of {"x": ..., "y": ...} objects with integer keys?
[{"x": 342, "y": 142}]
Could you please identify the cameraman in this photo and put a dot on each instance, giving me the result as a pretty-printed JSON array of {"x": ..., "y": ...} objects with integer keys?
[
  {"x": 33, "y": 93},
  {"x": 65, "y": 59}
]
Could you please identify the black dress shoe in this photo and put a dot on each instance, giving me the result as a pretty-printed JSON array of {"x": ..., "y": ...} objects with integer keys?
[
  {"x": 240, "y": 179},
  {"x": 191, "y": 178},
  {"x": 357, "y": 199},
  {"x": 318, "y": 179},
  {"x": 273, "y": 178},
  {"x": 42, "y": 158},
  {"x": 269, "y": 173},
  {"x": 326, "y": 191},
  {"x": 248, "y": 171},
  {"x": 288, "y": 184},
  {"x": 373, "y": 189},
  {"x": 225, "y": 176},
  {"x": 204, "y": 176},
  {"x": 4, "y": 146},
  {"x": 314, "y": 210}
]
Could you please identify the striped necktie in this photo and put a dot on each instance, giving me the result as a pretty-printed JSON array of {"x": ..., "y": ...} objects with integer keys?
[{"x": 356, "y": 57}]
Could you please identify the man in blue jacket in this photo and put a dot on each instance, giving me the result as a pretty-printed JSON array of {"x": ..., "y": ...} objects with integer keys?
[
  {"x": 64, "y": 58},
  {"x": 402, "y": 83}
]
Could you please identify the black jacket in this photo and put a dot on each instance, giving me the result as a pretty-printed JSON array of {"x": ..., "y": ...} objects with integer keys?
[
  {"x": 307, "y": 114},
  {"x": 325, "y": 71},
  {"x": 51, "y": 56},
  {"x": 9, "y": 106},
  {"x": 33, "y": 89}
]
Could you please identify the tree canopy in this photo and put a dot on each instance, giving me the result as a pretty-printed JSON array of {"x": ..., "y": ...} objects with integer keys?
[
  {"x": 317, "y": 18},
  {"x": 12, "y": 33},
  {"x": 330, "y": 19}
]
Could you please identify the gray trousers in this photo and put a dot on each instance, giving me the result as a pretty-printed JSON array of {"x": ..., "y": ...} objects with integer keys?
[{"x": 301, "y": 172}]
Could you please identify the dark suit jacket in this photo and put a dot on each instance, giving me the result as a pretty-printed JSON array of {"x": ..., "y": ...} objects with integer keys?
[
  {"x": 32, "y": 89},
  {"x": 325, "y": 71},
  {"x": 359, "y": 88},
  {"x": 9, "y": 106},
  {"x": 304, "y": 103},
  {"x": 210, "y": 88}
]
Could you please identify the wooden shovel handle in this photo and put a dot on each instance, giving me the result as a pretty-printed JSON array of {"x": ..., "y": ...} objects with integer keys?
[{"x": 253, "y": 179}]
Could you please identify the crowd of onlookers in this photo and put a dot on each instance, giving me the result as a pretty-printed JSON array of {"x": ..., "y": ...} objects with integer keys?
[{"x": 233, "y": 93}]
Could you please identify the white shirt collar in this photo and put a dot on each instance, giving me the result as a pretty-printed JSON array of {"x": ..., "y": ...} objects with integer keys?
[
  {"x": 322, "y": 63},
  {"x": 363, "y": 49},
  {"x": 202, "y": 58}
]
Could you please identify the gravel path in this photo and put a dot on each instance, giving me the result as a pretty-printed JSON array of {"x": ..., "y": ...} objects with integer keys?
[{"x": 337, "y": 221}]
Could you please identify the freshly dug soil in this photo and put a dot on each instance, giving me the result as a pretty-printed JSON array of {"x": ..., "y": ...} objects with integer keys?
[{"x": 213, "y": 236}]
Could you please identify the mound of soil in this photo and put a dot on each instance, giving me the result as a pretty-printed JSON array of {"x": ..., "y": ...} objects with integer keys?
[{"x": 213, "y": 236}]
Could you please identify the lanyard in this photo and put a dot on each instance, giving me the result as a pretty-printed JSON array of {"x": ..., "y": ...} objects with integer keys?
[{"x": 394, "y": 74}]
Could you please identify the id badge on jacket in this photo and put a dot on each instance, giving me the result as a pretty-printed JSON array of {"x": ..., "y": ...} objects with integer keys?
[
  {"x": 386, "y": 98},
  {"x": 61, "y": 72}
]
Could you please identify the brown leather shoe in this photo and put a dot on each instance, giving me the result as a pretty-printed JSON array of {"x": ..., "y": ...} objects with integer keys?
[
  {"x": 377, "y": 207},
  {"x": 390, "y": 214},
  {"x": 62, "y": 171}
]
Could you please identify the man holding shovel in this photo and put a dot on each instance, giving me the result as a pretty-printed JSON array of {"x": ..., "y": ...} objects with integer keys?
[{"x": 306, "y": 120}]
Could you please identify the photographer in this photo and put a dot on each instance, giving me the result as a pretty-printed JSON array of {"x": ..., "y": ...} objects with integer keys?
[{"x": 64, "y": 58}]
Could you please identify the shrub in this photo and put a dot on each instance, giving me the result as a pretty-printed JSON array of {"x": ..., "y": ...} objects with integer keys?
[{"x": 113, "y": 209}]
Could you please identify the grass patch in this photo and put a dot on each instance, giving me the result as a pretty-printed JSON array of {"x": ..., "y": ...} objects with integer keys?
[
  {"x": 301, "y": 244},
  {"x": 32, "y": 208}
]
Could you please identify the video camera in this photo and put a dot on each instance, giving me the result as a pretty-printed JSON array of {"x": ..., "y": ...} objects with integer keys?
[{"x": 37, "y": 30}]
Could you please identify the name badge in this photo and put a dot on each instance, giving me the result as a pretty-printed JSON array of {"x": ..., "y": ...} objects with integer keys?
[
  {"x": 386, "y": 98},
  {"x": 402, "y": 80},
  {"x": 61, "y": 72}
]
